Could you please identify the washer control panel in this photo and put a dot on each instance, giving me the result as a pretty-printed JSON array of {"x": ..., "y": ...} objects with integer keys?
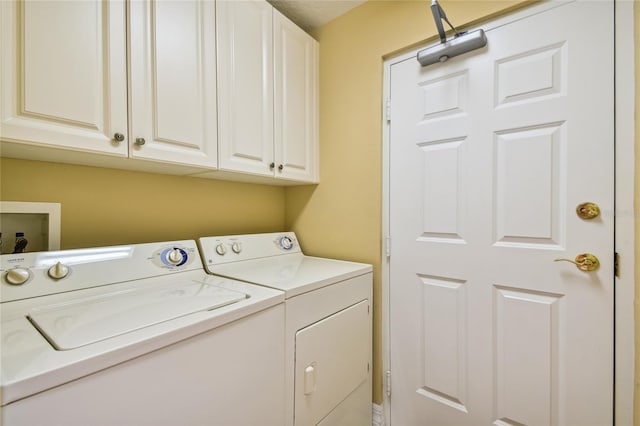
[
  {"x": 235, "y": 248},
  {"x": 35, "y": 274},
  {"x": 173, "y": 257}
]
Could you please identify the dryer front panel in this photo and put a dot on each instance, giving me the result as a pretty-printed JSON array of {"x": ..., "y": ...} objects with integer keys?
[{"x": 332, "y": 360}]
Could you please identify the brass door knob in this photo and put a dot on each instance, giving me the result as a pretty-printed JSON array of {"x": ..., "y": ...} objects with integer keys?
[
  {"x": 588, "y": 211},
  {"x": 585, "y": 262}
]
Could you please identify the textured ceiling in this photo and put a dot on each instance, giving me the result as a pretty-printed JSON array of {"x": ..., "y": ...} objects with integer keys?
[{"x": 310, "y": 14}]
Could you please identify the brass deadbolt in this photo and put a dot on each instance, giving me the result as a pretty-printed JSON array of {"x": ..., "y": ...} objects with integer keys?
[{"x": 588, "y": 211}]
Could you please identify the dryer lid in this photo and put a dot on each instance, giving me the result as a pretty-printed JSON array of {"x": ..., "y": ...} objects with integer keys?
[
  {"x": 80, "y": 322},
  {"x": 294, "y": 273}
]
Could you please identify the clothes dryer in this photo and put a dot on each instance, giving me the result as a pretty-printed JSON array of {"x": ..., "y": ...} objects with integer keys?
[{"x": 328, "y": 322}]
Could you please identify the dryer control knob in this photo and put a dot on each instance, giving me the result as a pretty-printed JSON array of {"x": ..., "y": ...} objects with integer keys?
[
  {"x": 58, "y": 271},
  {"x": 17, "y": 276},
  {"x": 236, "y": 247},
  {"x": 286, "y": 243},
  {"x": 221, "y": 250},
  {"x": 175, "y": 257}
]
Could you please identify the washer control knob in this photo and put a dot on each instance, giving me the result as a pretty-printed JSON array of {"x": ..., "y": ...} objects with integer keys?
[
  {"x": 220, "y": 249},
  {"x": 175, "y": 257},
  {"x": 58, "y": 271},
  {"x": 17, "y": 276},
  {"x": 236, "y": 247}
]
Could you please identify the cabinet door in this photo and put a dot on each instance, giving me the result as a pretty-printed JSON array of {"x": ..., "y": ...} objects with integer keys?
[
  {"x": 173, "y": 82},
  {"x": 245, "y": 84},
  {"x": 295, "y": 100},
  {"x": 63, "y": 74}
]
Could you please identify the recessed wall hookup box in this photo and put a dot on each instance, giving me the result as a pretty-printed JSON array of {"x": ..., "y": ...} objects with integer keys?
[{"x": 40, "y": 223}]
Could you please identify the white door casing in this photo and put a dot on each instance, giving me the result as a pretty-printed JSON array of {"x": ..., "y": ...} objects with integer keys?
[{"x": 477, "y": 305}]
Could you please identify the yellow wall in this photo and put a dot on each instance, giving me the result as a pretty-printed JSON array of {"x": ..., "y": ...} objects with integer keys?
[
  {"x": 106, "y": 207},
  {"x": 342, "y": 216},
  {"x": 636, "y": 209}
]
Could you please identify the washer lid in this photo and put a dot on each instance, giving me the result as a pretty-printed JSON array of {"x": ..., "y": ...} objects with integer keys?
[{"x": 80, "y": 322}]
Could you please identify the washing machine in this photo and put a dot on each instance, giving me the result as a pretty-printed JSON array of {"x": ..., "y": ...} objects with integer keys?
[
  {"x": 137, "y": 335},
  {"x": 328, "y": 322}
]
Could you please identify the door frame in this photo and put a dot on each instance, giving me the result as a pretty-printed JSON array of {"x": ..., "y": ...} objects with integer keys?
[{"x": 624, "y": 346}]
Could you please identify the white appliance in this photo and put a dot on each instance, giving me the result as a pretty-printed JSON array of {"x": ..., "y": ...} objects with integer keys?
[
  {"x": 137, "y": 335},
  {"x": 328, "y": 322}
]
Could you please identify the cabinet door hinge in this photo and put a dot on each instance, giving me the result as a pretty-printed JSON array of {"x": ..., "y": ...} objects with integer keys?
[
  {"x": 388, "y": 387},
  {"x": 387, "y": 109},
  {"x": 616, "y": 264}
]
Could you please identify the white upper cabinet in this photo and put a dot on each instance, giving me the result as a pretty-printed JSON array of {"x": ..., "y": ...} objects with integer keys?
[
  {"x": 295, "y": 101},
  {"x": 64, "y": 81},
  {"x": 245, "y": 86},
  {"x": 171, "y": 86},
  {"x": 173, "y": 82},
  {"x": 63, "y": 74},
  {"x": 267, "y": 91}
]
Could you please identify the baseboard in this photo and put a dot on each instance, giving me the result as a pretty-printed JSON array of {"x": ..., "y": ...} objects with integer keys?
[{"x": 378, "y": 415}]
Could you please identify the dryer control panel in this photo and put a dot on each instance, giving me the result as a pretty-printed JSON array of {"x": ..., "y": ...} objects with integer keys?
[{"x": 234, "y": 248}]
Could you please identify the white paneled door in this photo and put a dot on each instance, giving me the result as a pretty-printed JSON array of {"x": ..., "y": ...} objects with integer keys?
[{"x": 490, "y": 154}]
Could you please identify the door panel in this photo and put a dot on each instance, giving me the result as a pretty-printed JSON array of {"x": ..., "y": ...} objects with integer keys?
[
  {"x": 332, "y": 361},
  {"x": 173, "y": 82},
  {"x": 245, "y": 81},
  {"x": 527, "y": 333},
  {"x": 490, "y": 153},
  {"x": 295, "y": 100},
  {"x": 63, "y": 74}
]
